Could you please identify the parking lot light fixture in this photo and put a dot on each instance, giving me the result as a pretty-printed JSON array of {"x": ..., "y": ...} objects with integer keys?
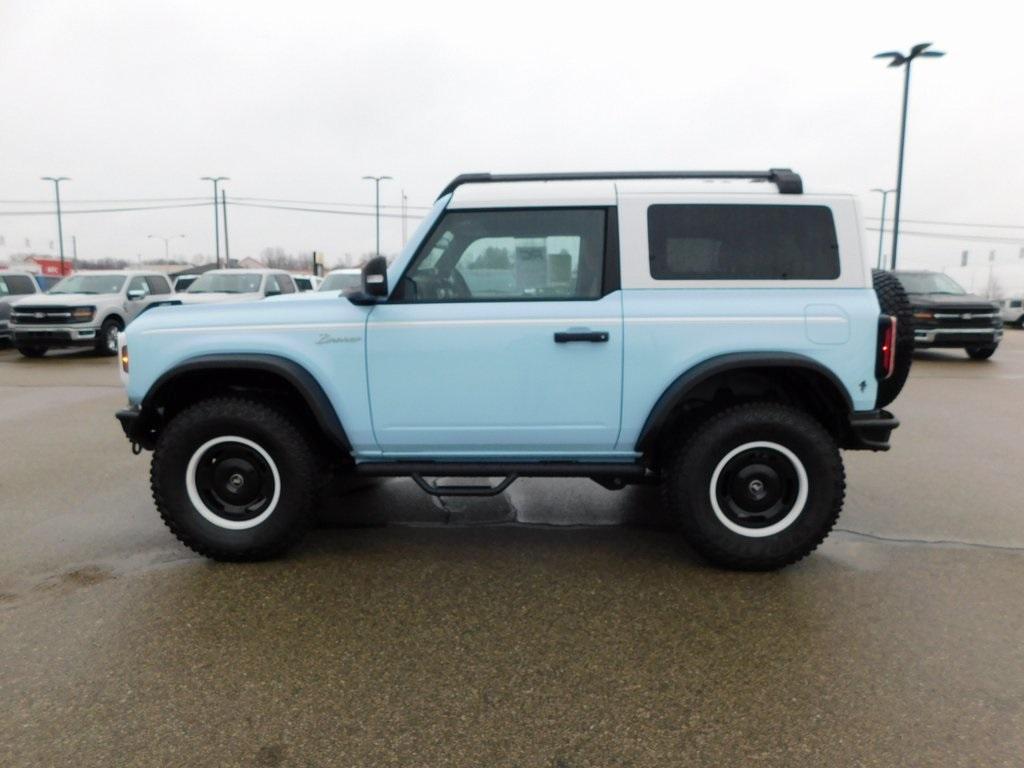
[
  {"x": 60, "y": 228},
  {"x": 377, "y": 180},
  {"x": 167, "y": 241},
  {"x": 897, "y": 59}
]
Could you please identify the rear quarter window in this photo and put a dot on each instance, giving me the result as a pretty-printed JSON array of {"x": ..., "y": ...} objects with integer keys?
[{"x": 742, "y": 242}]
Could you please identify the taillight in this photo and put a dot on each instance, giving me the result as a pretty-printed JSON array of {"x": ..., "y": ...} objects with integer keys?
[{"x": 886, "y": 347}]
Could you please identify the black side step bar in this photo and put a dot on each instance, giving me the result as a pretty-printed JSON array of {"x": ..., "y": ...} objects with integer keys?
[{"x": 437, "y": 489}]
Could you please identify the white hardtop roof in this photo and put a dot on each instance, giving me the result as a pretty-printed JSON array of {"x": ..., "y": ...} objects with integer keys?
[
  {"x": 606, "y": 192},
  {"x": 118, "y": 272},
  {"x": 245, "y": 270}
]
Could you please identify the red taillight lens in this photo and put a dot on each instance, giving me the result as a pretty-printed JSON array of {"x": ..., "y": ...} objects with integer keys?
[{"x": 887, "y": 350}]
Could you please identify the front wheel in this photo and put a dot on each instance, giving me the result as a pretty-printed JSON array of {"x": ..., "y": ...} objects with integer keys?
[
  {"x": 981, "y": 353},
  {"x": 756, "y": 487},
  {"x": 106, "y": 341},
  {"x": 233, "y": 479}
]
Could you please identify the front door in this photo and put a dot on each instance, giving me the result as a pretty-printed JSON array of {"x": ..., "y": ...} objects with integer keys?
[{"x": 503, "y": 338}]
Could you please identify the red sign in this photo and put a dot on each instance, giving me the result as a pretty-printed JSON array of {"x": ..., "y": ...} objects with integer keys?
[{"x": 52, "y": 266}]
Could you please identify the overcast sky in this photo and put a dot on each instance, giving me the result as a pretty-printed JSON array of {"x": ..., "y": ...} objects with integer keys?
[{"x": 298, "y": 100}]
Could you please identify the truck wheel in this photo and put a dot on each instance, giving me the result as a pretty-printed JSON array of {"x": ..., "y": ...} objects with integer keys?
[
  {"x": 893, "y": 301},
  {"x": 32, "y": 351},
  {"x": 756, "y": 487},
  {"x": 981, "y": 353},
  {"x": 233, "y": 479},
  {"x": 106, "y": 340}
]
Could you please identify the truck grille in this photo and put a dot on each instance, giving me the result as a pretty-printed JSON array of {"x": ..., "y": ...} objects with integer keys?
[
  {"x": 41, "y": 315},
  {"x": 966, "y": 319}
]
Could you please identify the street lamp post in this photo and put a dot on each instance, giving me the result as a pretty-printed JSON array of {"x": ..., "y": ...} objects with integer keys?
[
  {"x": 216, "y": 213},
  {"x": 167, "y": 244},
  {"x": 60, "y": 227},
  {"x": 899, "y": 60},
  {"x": 377, "y": 180},
  {"x": 881, "y": 227}
]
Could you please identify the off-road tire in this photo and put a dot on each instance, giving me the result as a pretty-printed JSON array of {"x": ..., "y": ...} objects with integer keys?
[
  {"x": 252, "y": 420},
  {"x": 690, "y": 469},
  {"x": 102, "y": 347},
  {"x": 892, "y": 298},
  {"x": 981, "y": 353},
  {"x": 32, "y": 352}
]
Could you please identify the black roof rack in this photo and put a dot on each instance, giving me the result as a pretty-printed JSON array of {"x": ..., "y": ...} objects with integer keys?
[{"x": 788, "y": 181}]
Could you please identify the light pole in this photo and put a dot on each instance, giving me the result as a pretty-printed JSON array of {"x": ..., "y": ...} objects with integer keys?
[
  {"x": 377, "y": 180},
  {"x": 60, "y": 227},
  {"x": 216, "y": 213},
  {"x": 167, "y": 244},
  {"x": 881, "y": 227},
  {"x": 899, "y": 60}
]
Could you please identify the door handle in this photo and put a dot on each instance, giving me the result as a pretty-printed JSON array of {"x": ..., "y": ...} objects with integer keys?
[{"x": 562, "y": 337}]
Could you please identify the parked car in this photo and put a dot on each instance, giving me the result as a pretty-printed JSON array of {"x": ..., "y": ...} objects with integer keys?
[
  {"x": 342, "y": 280},
  {"x": 946, "y": 316},
  {"x": 1011, "y": 310},
  {"x": 13, "y": 287},
  {"x": 724, "y": 339},
  {"x": 237, "y": 285},
  {"x": 182, "y": 282},
  {"x": 307, "y": 282},
  {"x": 86, "y": 309}
]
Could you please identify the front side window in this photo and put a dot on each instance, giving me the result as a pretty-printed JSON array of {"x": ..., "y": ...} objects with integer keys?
[
  {"x": 15, "y": 285},
  {"x": 157, "y": 284},
  {"x": 509, "y": 255},
  {"x": 137, "y": 286},
  {"x": 742, "y": 242}
]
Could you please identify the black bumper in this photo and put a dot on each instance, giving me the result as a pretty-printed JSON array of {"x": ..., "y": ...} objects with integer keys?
[
  {"x": 870, "y": 430},
  {"x": 49, "y": 338},
  {"x": 136, "y": 428}
]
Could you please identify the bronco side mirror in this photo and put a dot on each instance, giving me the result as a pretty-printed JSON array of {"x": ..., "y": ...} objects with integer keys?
[{"x": 375, "y": 282}]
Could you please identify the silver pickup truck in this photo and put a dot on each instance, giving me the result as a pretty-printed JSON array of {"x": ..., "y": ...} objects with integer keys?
[{"x": 87, "y": 309}]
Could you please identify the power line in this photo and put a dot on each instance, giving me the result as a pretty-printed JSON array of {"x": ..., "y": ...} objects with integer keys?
[
  {"x": 955, "y": 223},
  {"x": 109, "y": 200},
  {"x": 324, "y": 202},
  {"x": 105, "y": 210},
  {"x": 953, "y": 236},
  {"x": 314, "y": 210}
]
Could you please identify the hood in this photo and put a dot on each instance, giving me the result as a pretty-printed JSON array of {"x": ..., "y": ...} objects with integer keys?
[
  {"x": 216, "y": 298},
  {"x": 967, "y": 301},
  {"x": 325, "y": 309},
  {"x": 65, "y": 299}
]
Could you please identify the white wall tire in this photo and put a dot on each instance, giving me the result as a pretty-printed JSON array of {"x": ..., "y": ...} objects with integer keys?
[{"x": 201, "y": 505}]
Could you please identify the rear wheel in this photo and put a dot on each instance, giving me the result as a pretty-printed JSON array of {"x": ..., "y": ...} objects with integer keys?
[
  {"x": 106, "y": 341},
  {"x": 981, "y": 353},
  {"x": 233, "y": 479},
  {"x": 894, "y": 302},
  {"x": 756, "y": 487},
  {"x": 32, "y": 351}
]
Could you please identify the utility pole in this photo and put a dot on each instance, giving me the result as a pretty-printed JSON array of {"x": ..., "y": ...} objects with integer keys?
[
  {"x": 881, "y": 227},
  {"x": 899, "y": 60},
  {"x": 216, "y": 214},
  {"x": 224, "y": 211},
  {"x": 60, "y": 228},
  {"x": 377, "y": 180},
  {"x": 74, "y": 252},
  {"x": 405, "y": 201}
]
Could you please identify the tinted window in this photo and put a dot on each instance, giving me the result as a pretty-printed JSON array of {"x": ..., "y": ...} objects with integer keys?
[
  {"x": 742, "y": 242},
  {"x": 929, "y": 282},
  {"x": 15, "y": 285},
  {"x": 158, "y": 284},
  {"x": 303, "y": 284},
  {"x": 286, "y": 284},
  {"x": 138, "y": 284},
  {"x": 509, "y": 255}
]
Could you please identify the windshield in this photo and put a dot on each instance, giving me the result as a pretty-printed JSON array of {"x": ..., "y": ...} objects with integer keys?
[
  {"x": 245, "y": 282},
  {"x": 342, "y": 281},
  {"x": 929, "y": 282},
  {"x": 89, "y": 284}
]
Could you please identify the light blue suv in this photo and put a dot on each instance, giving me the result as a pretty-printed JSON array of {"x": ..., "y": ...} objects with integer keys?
[{"x": 717, "y": 333}]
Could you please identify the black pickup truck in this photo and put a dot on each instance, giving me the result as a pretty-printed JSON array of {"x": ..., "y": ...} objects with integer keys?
[{"x": 945, "y": 315}]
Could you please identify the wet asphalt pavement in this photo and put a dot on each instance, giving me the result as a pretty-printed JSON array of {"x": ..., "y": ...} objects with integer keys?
[{"x": 519, "y": 631}]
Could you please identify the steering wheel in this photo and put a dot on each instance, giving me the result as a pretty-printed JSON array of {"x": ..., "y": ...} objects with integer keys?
[{"x": 460, "y": 288}]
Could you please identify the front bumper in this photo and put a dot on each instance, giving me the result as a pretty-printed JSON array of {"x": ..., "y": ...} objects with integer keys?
[
  {"x": 957, "y": 337},
  {"x": 53, "y": 335},
  {"x": 136, "y": 428},
  {"x": 870, "y": 430}
]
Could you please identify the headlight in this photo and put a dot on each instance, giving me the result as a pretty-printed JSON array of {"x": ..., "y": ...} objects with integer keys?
[
  {"x": 924, "y": 314},
  {"x": 82, "y": 314}
]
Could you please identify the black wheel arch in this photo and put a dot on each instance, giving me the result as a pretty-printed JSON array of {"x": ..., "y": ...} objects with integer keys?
[
  {"x": 728, "y": 379},
  {"x": 262, "y": 374}
]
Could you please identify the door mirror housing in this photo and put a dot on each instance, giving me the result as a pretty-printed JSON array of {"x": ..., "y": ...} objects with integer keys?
[
  {"x": 375, "y": 282},
  {"x": 136, "y": 295}
]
